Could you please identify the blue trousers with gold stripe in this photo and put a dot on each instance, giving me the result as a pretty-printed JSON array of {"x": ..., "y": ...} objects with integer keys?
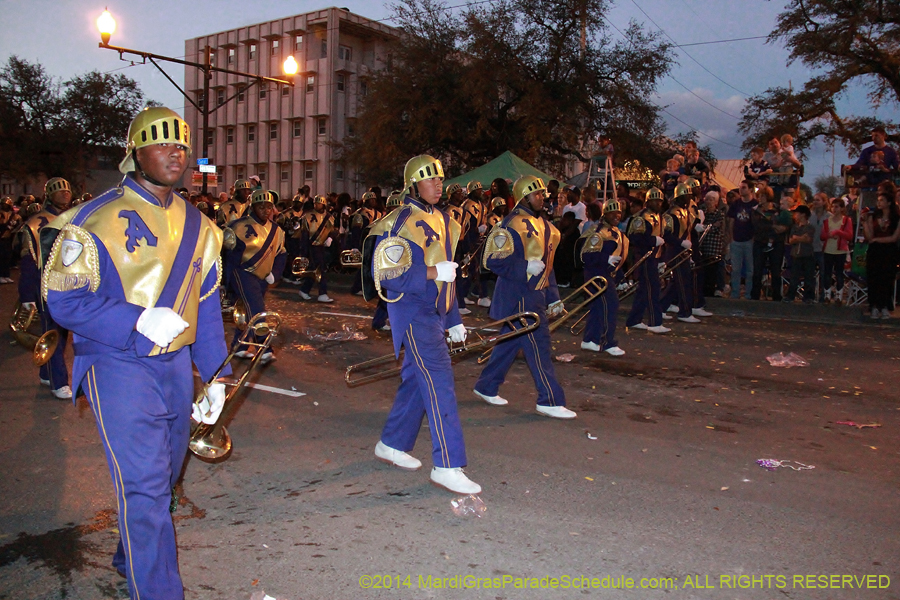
[
  {"x": 55, "y": 371},
  {"x": 646, "y": 298},
  {"x": 426, "y": 389},
  {"x": 680, "y": 290},
  {"x": 536, "y": 347},
  {"x": 601, "y": 320},
  {"x": 143, "y": 407}
]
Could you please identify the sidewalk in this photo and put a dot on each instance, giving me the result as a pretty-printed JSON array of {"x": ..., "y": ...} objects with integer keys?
[{"x": 797, "y": 311}]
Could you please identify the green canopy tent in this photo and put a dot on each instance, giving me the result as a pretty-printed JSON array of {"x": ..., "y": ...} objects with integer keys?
[{"x": 507, "y": 165}]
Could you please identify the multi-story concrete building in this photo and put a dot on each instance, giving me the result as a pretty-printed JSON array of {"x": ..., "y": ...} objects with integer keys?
[{"x": 287, "y": 135}]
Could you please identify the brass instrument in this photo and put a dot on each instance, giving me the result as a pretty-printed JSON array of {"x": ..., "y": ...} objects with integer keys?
[
  {"x": 212, "y": 442},
  {"x": 42, "y": 347},
  {"x": 300, "y": 268},
  {"x": 465, "y": 260},
  {"x": 351, "y": 258},
  {"x": 229, "y": 239},
  {"x": 593, "y": 287},
  {"x": 631, "y": 286},
  {"x": 492, "y": 337},
  {"x": 681, "y": 258}
]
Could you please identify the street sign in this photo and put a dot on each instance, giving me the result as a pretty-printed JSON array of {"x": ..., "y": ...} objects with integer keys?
[
  {"x": 212, "y": 180},
  {"x": 204, "y": 168},
  {"x": 202, "y": 161}
]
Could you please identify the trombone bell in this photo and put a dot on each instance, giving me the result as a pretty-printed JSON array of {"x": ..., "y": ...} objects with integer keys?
[{"x": 351, "y": 258}]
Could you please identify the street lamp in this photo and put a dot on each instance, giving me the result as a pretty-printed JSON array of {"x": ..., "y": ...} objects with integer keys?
[{"x": 106, "y": 24}]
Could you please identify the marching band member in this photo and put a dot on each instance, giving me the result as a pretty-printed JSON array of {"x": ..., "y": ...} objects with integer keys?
[
  {"x": 520, "y": 251},
  {"x": 679, "y": 222},
  {"x": 290, "y": 221},
  {"x": 360, "y": 222},
  {"x": 318, "y": 233},
  {"x": 380, "y": 318},
  {"x": 475, "y": 210},
  {"x": 134, "y": 274},
  {"x": 57, "y": 198},
  {"x": 645, "y": 232},
  {"x": 236, "y": 207},
  {"x": 413, "y": 263},
  {"x": 257, "y": 256},
  {"x": 604, "y": 249}
]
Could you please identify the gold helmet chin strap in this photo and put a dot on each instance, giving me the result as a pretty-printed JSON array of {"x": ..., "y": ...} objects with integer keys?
[{"x": 139, "y": 169}]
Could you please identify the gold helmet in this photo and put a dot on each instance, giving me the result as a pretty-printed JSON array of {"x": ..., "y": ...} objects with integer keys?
[
  {"x": 32, "y": 209},
  {"x": 422, "y": 167},
  {"x": 395, "y": 199},
  {"x": 527, "y": 184},
  {"x": 154, "y": 125},
  {"x": 202, "y": 206},
  {"x": 57, "y": 184},
  {"x": 692, "y": 183},
  {"x": 498, "y": 201},
  {"x": 262, "y": 196},
  {"x": 243, "y": 184},
  {"x": 683, "y": 189},
  {"x": 8, "y": 201},
  {"x": 472, "y": 186},
  {"x": 320, "y": 199},
  {"x": 87, "y": 197},
  {"x": 653, "y": 194},
  {"x": 453, "y": 188},
  {"x": 612, "y": 206},
  {"x": 370, "y": 195}
]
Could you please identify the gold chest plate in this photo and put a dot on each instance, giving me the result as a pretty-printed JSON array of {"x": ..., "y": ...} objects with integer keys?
[
  {"x": 539, "y": 239},
  {"x": 254, "y": 236}
]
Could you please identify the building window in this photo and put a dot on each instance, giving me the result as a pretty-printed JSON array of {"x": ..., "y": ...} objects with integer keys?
[
  {"x": 262, "y": 93},
  {"x": 345, "y": 52},
  {"x": 239, "y": 173},
  {"x": 229, "y": 135},
  {"x": 324, "y": 48},
  {"x": 210, "y": 139},
  {"x": 322, "y": 125},
  {"x": 240, "y": 95},
  {"x": 275, "y": 44},
  {"x": 285, "y": 172},
  {"x": 298, "y": 128},
  {"x": 251, "y": 133},
  {"x": 363, "y": 89},
  {"x": 308, "y": 172},
  {"x": 231, "y": 56},
  {"x": 310, "y": 83},
  {"x": 251, "y": 51},
  {"x": 298, "y": 42},
  {"x": 339, "y": 172},
  {"x": 261, "y": 173},
  {"x": 340, "y": 82},
  {"x": 273, "y": 131},
  {"x": 285, "y": 90},
  {"x": 220, "y": 97}
]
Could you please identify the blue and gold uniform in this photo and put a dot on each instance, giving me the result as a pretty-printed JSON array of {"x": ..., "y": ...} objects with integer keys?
[
  {"x": 317, "y": 231},
  {"x": 644, "y": 232},
  {"x": 236, "y": 207},
  {"x": 601, "y": 242},
  {"x": 257, "y": 258},
  {"x": 523, "y": 236},
  {"x": 115, "y": 259},
  {"x": 678, "y": 226},
  {"x": 54, "y": 373},
  {"x": 409, "y": 240}
]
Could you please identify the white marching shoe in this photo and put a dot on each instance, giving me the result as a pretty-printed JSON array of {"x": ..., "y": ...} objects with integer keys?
[
  {"x": 658, "y": 329},
  {"x": 304, "y": 295},
  {"x": 484, "y": 302},
  {"x": 557, "y": 412},
  {"x": 673, "y": 308},
  {"x": 701, "y": 312},
  {"x": 324, "y": 298},
  {"x": 454, "y": 480},
  {"x": 63, "y": 393},
  {"x": 590, "y": 346},
  {"x": 614, "y": 351},
  {"x": 398, "y": 458},
  {"x": 495, "y": 400},
  {"x": 639, "y": 326},
  {"x": 691, "y": 319}
]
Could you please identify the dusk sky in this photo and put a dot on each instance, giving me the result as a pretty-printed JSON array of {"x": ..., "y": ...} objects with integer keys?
[{"x": 706, "y": 90}]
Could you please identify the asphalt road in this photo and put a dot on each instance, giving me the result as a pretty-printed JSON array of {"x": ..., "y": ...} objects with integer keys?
[{"x": 668, "y": 495}]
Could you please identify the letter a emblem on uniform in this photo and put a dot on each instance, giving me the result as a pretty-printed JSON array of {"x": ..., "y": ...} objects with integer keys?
[
  {"x": 136, "y": 230},
  {"x": 70, "y": 251},
  {"x": 394, "y": 253},
  {"x": 250, "y": 233}
]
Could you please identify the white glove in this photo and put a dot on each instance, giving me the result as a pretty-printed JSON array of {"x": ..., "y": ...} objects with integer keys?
[
  {"x": 327, "y": 242},
  {"x": 457, "y": 333},
  {"x": 535, "y": 267},
  {"x": 446, "y": 271},
  {"x": 699, "y": 228},
  {"x": 161, "y": 325},
  {"x": 614, "y": 260},
  {"x": 29, "y": 305},
  {"x": 701, "y": 216},
  {"x": 686, "y": 244},
  {"x": 482, "y": 228},
  {"x": 556, "y": 308},
  {"x": 210, "y": 407},
  {"x": 622, "y": 286},
  {"x": 662, "y": 268},
  {"x": 270, "y": 279},
  {"x": 660, "y": 241}
]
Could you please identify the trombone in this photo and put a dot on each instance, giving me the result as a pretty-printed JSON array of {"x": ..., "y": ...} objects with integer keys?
[
  {"x": 212, "y": 442},
  {"x": 491, "y": 330},
  {"x": 631, "y": 286},
  {"x": 300, "y": 268},
  {"x": 43, "y": 347},
  {"x": 593, "y": 287}
]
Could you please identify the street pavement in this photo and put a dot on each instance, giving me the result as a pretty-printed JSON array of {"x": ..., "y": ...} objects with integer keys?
[{"x": 655, "y": 484}]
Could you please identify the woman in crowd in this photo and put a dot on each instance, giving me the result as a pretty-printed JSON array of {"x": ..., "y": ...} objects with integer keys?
[
  {"x": 882, "y": 231},
  {"x": 837, "y": 231}
]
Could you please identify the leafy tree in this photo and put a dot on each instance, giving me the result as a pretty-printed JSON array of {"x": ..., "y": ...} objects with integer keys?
[
  {"x": 828, "y": 184},
  {"x": 843, "y": 42},
  {"x": 510, "y": 75}
]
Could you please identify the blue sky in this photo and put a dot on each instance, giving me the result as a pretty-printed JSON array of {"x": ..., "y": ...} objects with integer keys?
[{"x": 706, "y": 90}]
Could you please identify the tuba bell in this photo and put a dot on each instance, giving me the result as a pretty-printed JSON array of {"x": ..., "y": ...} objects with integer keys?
[
  {"x": 42, "y": 347},
  {"x": 351, "y": 258}
]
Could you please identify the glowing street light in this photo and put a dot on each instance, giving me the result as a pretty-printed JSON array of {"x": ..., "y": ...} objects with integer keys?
[
  {"x": 107, "y": 26},
  {"x": 290, "y": 66}
]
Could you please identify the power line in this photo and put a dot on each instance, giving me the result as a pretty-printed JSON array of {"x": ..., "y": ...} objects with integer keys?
[{"x": 755, "y": 37}]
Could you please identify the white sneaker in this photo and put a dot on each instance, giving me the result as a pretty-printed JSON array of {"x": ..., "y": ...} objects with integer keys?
[
  {"x": 467, "y": 301},
  {"x": 495, "y": 400},
  {"x": 324, "y": 298},
  {"x": 666, "y": 317},
  {"x": 384, "y": 327},
  {"x": 359, "y": 293},
  {"x": 244, "y": 354},
  {"x": 718, "y": 294},
  {"x": 267, "y": 357},
  {"x": 658, "y": 329},
  {"x": 398, "y": 458},
  {"x": 614, "y": 351},
  {"x": 690, "y": 319},
  {"x": 454, "y": 480},
  {"x": 701, "y": 312},
  {"x": 465, "y": 311},
  {"x": 673, "y": 308},
  {"x": 304, "y": 295},
  {"x": 484, "y": 302},
  {"x": 590, "y": 346},
  {"x": 557, "y": 412},
  {"x": 876, "y": 314},
  {"x": 639, "y": 326},
  {"x": 885, "y": 314},
  {"x": 63, "y": 393},
  {"x": 44, "y": 382}
]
